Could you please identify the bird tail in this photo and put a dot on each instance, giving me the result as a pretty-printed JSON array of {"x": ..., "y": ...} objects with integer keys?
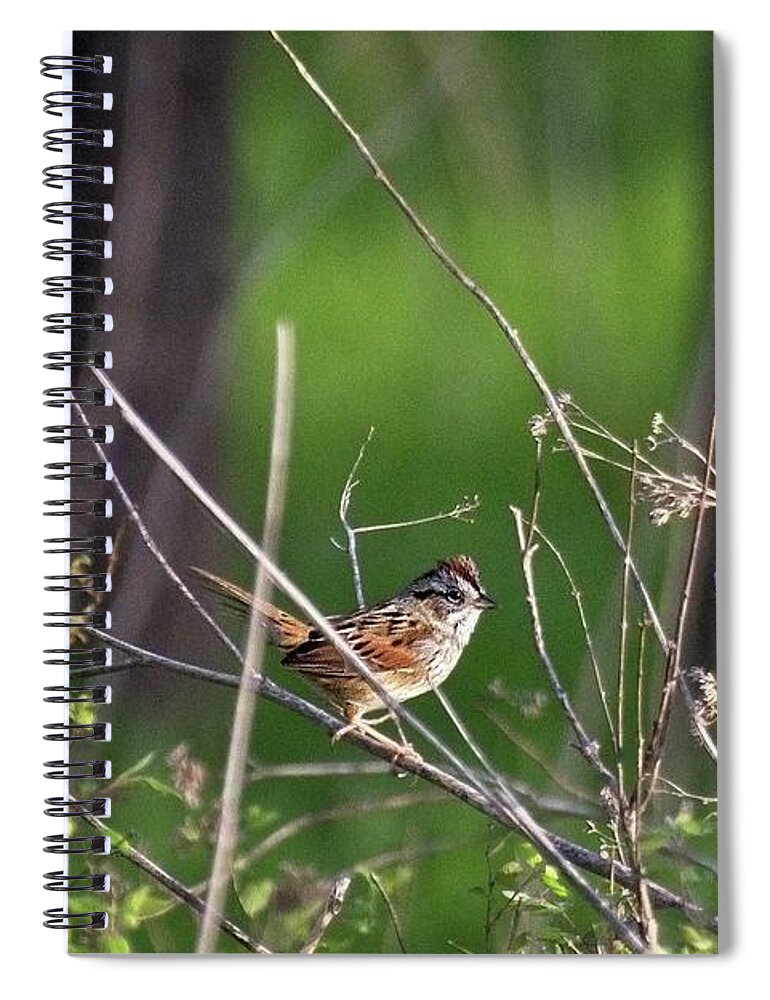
[{"x": 283, "y": 629}]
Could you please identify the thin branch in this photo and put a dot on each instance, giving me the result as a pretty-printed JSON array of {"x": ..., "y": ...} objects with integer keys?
[
  {"x": 578, "y": 599},
  {"x": 459, "y": 512},
  {"x": 682, "y": 442},
  {"x": 511, "y": 335},
  {"x": 560, "y": 780},
  {"x": 414, "y": 852},
  {"x": 237, "y": 757},
  {"x": 584, "y": 858},
  {"x": 391, "y": 911},
  {"x": 623, "y": 633},
  {"x": 331, "y": 910},
  {"x": 657, "y": 477},
  {"x": 680, "y": 793},
  {"x": 347, "y": 492},
  {"x": 121, "y": 848},
  {"x": 673, "y": 671},
  {"x": 588, "y": 747},
  {"x": 543, "y": 803},
  {"x": 489, "y": 771},
  {"x": 317, "y": 769},
  {"x": 468, "y": 505},
  {"x": 347, "y": 810},
  {"x": 155, "y": 550}
]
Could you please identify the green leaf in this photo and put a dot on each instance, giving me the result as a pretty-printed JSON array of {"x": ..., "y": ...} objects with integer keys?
[
  {"x": 257, "y": 817},
  {"x": 552, "y": 880},
  {"x": 255, "y": 896},
  {"x": 141, "y": 904},
  {"x": 157, "y": 786},
  {"x": 528, "y": 902}
]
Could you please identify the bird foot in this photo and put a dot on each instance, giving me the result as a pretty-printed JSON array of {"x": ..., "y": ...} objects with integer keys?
[{"x": 403, "y": 751}]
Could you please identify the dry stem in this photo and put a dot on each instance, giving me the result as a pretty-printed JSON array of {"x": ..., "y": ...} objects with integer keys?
[
  {"x": 673, "y": 671},
  {"x": 237, "y": 757}
]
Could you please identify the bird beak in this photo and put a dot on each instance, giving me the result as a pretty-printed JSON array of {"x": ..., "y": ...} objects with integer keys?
[{"x": 484, "y": 601}]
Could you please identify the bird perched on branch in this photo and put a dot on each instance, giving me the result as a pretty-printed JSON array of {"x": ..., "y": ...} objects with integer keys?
[{"x": 410, "y": 642}]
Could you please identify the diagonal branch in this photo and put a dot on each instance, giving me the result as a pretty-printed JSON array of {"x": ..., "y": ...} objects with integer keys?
[{"x": 123, "y": 849}]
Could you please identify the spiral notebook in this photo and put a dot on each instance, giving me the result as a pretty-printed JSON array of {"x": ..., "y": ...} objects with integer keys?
[{"x": 383, "y": 492}]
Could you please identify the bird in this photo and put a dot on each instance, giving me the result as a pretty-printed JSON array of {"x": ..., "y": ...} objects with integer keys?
[{"x": 411, "y": 642}]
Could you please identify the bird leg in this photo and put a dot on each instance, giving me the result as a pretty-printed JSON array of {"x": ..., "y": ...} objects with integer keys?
[{"x": 355, "y": 721}]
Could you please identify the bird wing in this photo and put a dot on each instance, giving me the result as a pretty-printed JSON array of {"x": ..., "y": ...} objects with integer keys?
[{"x": 385, "y": 643}]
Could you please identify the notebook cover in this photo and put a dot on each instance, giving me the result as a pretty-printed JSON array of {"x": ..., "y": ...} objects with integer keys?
[{"x": 413, "y": 331}]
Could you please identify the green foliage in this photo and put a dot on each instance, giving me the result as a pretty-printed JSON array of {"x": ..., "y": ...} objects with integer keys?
[{"x": 571, "y": 174}]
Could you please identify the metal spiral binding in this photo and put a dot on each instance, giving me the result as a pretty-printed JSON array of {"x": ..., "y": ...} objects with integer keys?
[{"x": 83, "y": 214}]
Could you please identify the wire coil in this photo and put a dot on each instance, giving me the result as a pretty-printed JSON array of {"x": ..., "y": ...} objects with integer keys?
[
  {"x": 82, "y": 215},
  {"x": 54, "y": 66},
  {"x": 79, "y": 173},
  {"x": 58, "y": 101}
]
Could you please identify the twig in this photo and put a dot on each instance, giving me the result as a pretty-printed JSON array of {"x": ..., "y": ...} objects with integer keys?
[
  {"x": 237, "y": 757},
  {"x": 655, "y": 473},
  {"x": 623, "y": 634},
  {"x": 155, "y": 550},
  {"x": 587, "y": 746},
  {"x": 391, "y": 911},
  {"x": 473, "y": 746},
  {"x": 347, "y": 492},
  {"x": 317, "y": 769},
  {"x": 526, "y": 747},
  {"x": 590, "y": 861},
  {"x": 578, "y": 599},
  {"x": 307, "y": 821},
  {"x": 331, "y": 909},
  {"x": 459, "y": 512},
  {"x": 414, "y": 852},
  {"x": 680, "y": 793},
  {"x": 544, "y": 803},
  {"x": 597, "y": 429},
  {"x": 681, "y": 441},
  {"x": 672, "y": 677},
  {"x": 640, "y": 677},
  {"x": 123, "y": 849},
  {"x": 511, "y": 335}
]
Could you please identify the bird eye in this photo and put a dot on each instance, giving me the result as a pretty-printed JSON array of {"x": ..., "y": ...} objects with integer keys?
[{"x": 454, "y": 596}]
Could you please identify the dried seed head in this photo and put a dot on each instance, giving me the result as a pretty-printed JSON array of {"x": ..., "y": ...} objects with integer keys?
[
  {"x": 538, "y": 425},
  {"x": 671, "y": 497},
  {"x": 704, "y": 684},
  {"x": 188, "y": 775}
]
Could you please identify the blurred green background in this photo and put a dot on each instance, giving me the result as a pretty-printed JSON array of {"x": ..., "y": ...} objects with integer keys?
[{"x": 571, "y": 175}]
